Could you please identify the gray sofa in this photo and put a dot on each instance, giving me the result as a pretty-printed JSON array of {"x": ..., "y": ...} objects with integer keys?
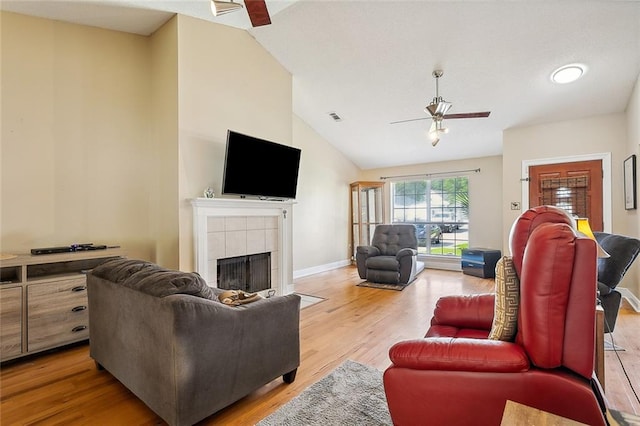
[{"x": 165, "y": 336}]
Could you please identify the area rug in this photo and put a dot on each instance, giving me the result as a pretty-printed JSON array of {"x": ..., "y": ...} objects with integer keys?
[
  {"x": 352, "y": 394},
  {"x": 610, "y": 346},
  {"x": 307, "y": 300},
  {"x": 383, "y": 286}
]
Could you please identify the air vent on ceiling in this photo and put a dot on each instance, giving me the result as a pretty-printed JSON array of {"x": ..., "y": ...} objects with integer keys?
[{"x": 335, "y": 116}]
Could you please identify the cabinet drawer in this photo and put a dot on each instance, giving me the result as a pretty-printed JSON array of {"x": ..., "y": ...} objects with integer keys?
[
  {"x": 477, "y": 269},
  {"x": 480, "y": 262},
  {"x": 57, "y": 313},
  {"x": 10, "y": 322}
]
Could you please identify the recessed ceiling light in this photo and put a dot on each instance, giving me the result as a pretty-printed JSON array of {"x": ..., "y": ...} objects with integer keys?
[{"x": 568, "y": 73}]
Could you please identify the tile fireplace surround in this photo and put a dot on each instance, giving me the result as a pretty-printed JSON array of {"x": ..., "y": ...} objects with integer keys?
[{"x": 229, "y": 227}]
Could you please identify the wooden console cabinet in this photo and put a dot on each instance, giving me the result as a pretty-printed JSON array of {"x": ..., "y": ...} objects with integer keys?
[{"x": 43, "y": 300}]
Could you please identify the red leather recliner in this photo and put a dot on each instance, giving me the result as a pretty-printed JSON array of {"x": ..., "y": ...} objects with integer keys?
[{"x": 456, "y": 376}]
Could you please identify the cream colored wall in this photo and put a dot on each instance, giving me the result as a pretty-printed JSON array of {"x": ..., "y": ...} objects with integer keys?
[
  {"x": 226, "y": 80},
  {"x": 75, "y": 136},
  {"x": 321, "y": 216},
  {"x": 106, "y": 135},
  {"x": 632, "y": 278},
  {"x": 485, "y": 189},
  {"x": 163, "y": 187},
  {"x": 594, "y": 135}
]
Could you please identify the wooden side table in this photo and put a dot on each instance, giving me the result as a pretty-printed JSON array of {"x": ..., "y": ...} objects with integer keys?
[
  {"x": 599, "y": 360},
  {"x": 520, "y": 414}
]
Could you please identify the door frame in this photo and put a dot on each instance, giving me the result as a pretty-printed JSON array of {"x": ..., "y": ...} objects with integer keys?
[{"x": 606, "y": 180}]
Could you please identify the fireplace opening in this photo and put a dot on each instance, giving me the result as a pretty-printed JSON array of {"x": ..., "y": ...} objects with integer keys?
[{"x": 249, "y": 273}]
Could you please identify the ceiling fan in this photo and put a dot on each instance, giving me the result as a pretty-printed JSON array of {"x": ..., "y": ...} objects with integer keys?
[
  {"x": 437, "y": 110},
  {"x": 257, "y": 10}
]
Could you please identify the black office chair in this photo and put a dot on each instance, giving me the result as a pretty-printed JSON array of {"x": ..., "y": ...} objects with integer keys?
[{"x": 623, "y": 251}]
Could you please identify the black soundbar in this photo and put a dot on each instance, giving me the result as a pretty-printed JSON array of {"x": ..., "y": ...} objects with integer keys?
[{"x": 67, "y": 249}]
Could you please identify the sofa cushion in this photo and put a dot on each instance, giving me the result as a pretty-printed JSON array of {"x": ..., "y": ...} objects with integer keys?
[
  {"x": 391, "y": 238},
  {"x": 387, "y": 263},
  {"x": 507, "y": 301},
  {"x": 119, "y": 269},
  {"x": 152, "y": 279}
]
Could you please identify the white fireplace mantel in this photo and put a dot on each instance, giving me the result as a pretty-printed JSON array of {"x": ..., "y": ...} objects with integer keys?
[{"x": 281, "y": 211}]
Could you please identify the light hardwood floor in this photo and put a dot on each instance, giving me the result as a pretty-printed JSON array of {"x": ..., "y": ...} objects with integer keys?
[{"x": 357, "y": 323}]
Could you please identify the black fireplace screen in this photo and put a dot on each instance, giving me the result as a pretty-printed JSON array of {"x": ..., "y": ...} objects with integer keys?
[{"x": 249, "y": 273}]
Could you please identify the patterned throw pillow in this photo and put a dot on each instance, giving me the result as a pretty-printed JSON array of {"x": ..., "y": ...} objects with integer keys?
[{"x": 505, "y": 317}]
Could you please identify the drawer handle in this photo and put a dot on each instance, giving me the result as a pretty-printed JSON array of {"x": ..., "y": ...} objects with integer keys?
[
  {"x": 79, "y": 288},
  {"x": 78, "y": 308},
  {"x": 79, "y": 328}
]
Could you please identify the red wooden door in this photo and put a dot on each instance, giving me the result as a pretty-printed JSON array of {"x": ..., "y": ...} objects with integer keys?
[{"x": 575, "y": 187}]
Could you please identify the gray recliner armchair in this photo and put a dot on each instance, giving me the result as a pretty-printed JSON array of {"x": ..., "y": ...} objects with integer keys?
[
  {"x": 392, "y": 257},
  {"x": 623, "y": 251}
]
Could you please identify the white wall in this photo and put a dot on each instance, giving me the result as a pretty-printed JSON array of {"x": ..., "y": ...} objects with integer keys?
[
  {"x": 632, "y": 278},
  {"x": 594, "y": 135},
  {"x": 485, "y": 194},
  {"x": 321, "y": 216}
]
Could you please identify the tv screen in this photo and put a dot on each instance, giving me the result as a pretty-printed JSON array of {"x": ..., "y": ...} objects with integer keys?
[{"x": 258, "y": 167}]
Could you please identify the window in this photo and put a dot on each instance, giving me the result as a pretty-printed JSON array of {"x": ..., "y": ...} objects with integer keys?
[{"x": 439, "y": 209}]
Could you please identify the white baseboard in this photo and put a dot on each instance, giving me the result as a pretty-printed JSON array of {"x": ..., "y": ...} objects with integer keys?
[
  {"x": 439, "y": 262},
  {"x": 431, "y": 262},
  {"x": 320, "y": 268},
  {"x": 631, "y": 298}
]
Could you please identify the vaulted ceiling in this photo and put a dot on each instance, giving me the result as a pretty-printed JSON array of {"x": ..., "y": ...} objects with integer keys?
[{"x": 371, "y": 63}]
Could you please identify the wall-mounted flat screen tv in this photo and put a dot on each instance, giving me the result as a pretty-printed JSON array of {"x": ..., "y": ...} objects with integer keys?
[{"x": 261, "y": 168}]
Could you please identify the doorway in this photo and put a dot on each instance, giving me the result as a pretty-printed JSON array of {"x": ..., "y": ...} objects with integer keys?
[
  {"x": 580, "y": 184},
  {"x": 575, "y": 187}
]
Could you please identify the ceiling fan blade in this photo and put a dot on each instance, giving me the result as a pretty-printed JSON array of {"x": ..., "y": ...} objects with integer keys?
[
  {"x": 258, "y": 13},
  {"x": 483, "y": 114},
  {"x": 438, "y": 110},
  {"x": 411, "y": 119},
  {"x": 468, "y": 115}
]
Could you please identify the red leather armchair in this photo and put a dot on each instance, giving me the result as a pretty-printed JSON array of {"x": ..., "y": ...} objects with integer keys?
[{"x": 456, "y": 376}]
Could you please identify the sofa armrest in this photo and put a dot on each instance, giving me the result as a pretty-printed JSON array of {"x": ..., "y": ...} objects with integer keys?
[
  {"x": 223, "y": 353},
  {"x": 465, "y": 311},
  {"x": 407, "y": 251},
  {"x": 362, "y": 254},
  {"x": 368, "y": 251},
  {"x": 459, "y": 354}
]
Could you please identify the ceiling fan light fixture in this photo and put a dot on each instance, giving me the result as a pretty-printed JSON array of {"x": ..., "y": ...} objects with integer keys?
[
  {"x": 431, "y": 109},
  {"x": 219, "y": 7},
  {"x": 568, "y": 73},
  {"x": 435, "y": 131},
  {"x": 443, "y": 107},
  {"x": 438, "y": 107}
]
